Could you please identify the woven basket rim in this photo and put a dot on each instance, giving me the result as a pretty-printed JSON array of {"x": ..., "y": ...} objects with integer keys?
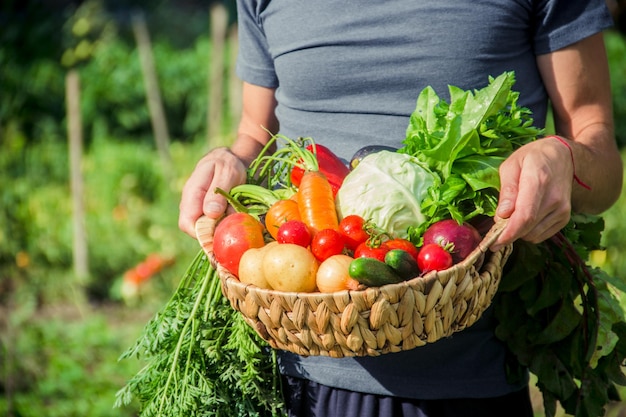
[{"x": 374, "y": 320}]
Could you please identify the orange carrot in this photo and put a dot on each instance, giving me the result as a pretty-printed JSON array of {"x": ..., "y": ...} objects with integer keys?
[
  {"x": 280, "y": 212},
  {"x": 316, "y": 202}
]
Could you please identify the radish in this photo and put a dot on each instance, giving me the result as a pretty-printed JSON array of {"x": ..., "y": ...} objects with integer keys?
[{"x": 459, "y": 239}]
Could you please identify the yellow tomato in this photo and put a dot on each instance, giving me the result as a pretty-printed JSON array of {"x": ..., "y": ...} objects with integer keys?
[{"x": 332, "y": 274}]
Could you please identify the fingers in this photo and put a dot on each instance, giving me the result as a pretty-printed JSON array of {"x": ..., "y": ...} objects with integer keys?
[
  {"x": 218, "y": 169},
  {"x": 535, "y": 197}
]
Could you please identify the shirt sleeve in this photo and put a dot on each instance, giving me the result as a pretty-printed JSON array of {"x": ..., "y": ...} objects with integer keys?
[
  {"x": 254, "y": 61},
  {"x": 560, "y": 23}
]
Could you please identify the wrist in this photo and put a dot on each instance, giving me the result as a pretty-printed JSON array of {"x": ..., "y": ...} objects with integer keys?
[
  {"x": 246, "y": 148},
  {"x": 571, "y": 153}
]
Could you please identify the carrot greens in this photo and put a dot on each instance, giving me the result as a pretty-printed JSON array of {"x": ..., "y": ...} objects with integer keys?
[{"x": 203, "y": 359}]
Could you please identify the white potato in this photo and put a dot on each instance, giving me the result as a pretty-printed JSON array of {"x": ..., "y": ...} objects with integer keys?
[
  {"x": 251, "y": 266},
  {"x": 289, "y": 267}
]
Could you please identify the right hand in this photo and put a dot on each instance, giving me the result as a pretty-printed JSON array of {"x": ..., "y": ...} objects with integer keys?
[{"x": 220, "y": 168}]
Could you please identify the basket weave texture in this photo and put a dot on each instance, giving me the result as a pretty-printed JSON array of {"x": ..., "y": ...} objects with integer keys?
[{"x": 376, "y": 320}]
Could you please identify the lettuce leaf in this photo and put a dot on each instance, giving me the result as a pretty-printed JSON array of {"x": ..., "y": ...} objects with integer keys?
[{"x": 464, "y": 142}]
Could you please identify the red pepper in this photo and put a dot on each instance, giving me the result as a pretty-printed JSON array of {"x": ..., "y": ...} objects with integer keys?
[{"x": 329, "y": 164}]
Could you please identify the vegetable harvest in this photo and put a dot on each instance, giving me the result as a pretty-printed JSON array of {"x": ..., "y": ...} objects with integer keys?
[{"x": 558, "y": 317}]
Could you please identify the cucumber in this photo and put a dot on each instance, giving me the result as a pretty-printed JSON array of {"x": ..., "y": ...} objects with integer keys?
[
  {"x": 372, "y": 272},
  {"x": 401, "y": 261}
]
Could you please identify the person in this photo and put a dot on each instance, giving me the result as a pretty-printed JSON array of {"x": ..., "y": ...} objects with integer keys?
[{"x": 347, "y": 73}]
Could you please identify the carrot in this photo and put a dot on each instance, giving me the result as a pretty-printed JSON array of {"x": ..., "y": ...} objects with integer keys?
[
  {"x": 280, "y": 212},
  {"x": 316, "y": 202}
]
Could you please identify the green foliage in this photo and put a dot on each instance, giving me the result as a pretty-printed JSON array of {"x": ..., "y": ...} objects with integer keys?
[
  {"x": 131, "y": 211},
  {"x": 561, "y": 319},
  {"x": 113, "y": 98},
  {"x": 29, "y": 30},
  {"x": 464, "y": 142},
  {"x": 57, "y": 364},
  {"x": 612, "y": 258}
]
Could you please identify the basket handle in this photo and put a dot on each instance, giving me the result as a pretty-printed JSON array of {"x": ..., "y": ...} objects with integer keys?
[
  {"x": 205, "y": 229},
  {"x": 493, "y": 234}
]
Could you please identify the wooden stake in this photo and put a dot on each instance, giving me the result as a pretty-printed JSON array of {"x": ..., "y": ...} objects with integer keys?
[
  {"x": 75, "y": 139},
  {"x": 219, "y": 27},
  {"x": 151, "y": 84}
]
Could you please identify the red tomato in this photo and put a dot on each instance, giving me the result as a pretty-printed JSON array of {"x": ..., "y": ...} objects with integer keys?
[
  {"x": 353, "y": 231},
  {"x": 433, "y": 257},
  {"x": 326, "y": 243},
  {"x": 403, "y": 244},
  {"x": 365, "y": 250},
  {"x": 294, "y": 231},
  {"x": 234, "y": 235}
]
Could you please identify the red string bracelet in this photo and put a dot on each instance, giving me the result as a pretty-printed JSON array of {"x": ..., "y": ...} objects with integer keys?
[{"x": 571, "y": 154}]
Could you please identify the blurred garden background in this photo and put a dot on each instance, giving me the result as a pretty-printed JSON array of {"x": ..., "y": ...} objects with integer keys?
[{"x": 105, "y": 107}]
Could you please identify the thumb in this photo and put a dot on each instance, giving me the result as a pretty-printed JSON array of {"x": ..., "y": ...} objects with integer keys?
[
  {"x": 214, "y": 205},
  {"x": 506, "y": 205},
  {"x": 509, "y": 189}
]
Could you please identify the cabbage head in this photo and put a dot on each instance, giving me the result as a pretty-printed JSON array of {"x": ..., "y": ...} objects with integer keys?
[{"x": 386, "y": 188}]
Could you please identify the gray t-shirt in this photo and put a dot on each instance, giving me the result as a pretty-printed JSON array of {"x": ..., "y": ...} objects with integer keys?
[{"x": 347, "y": 73}]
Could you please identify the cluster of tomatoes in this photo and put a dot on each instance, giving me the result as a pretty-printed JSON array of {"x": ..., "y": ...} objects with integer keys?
[
  {"x": 331, "y": 258},
  {"x": 354, "y": 235},
  {"x": 360, "y": 239}
]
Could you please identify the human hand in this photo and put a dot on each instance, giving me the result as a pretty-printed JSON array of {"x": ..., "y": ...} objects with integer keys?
[
  {"x": 220, "y": 168},
  {"x": 535, "y": 193}
]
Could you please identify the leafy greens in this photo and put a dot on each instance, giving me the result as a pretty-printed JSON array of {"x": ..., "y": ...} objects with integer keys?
[
  {"x": 561, "y": 319},
  {"x": 399, "y": 177},
  {"x": 464, "y": 142}
]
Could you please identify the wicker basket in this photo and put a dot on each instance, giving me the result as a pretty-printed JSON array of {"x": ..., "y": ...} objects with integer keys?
[{"x": 373, "y": 321}]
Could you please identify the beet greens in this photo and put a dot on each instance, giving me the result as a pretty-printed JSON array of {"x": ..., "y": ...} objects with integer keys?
[
  {"x": 562, "y": 320},
  {"x": 558, "y": 316}
]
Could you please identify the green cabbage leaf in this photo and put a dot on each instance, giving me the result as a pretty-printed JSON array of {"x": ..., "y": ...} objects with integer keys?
[{"x": 386, "y": 188}]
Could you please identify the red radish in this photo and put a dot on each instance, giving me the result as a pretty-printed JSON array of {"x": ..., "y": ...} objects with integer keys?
[{"x": 459, "y": 239}]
